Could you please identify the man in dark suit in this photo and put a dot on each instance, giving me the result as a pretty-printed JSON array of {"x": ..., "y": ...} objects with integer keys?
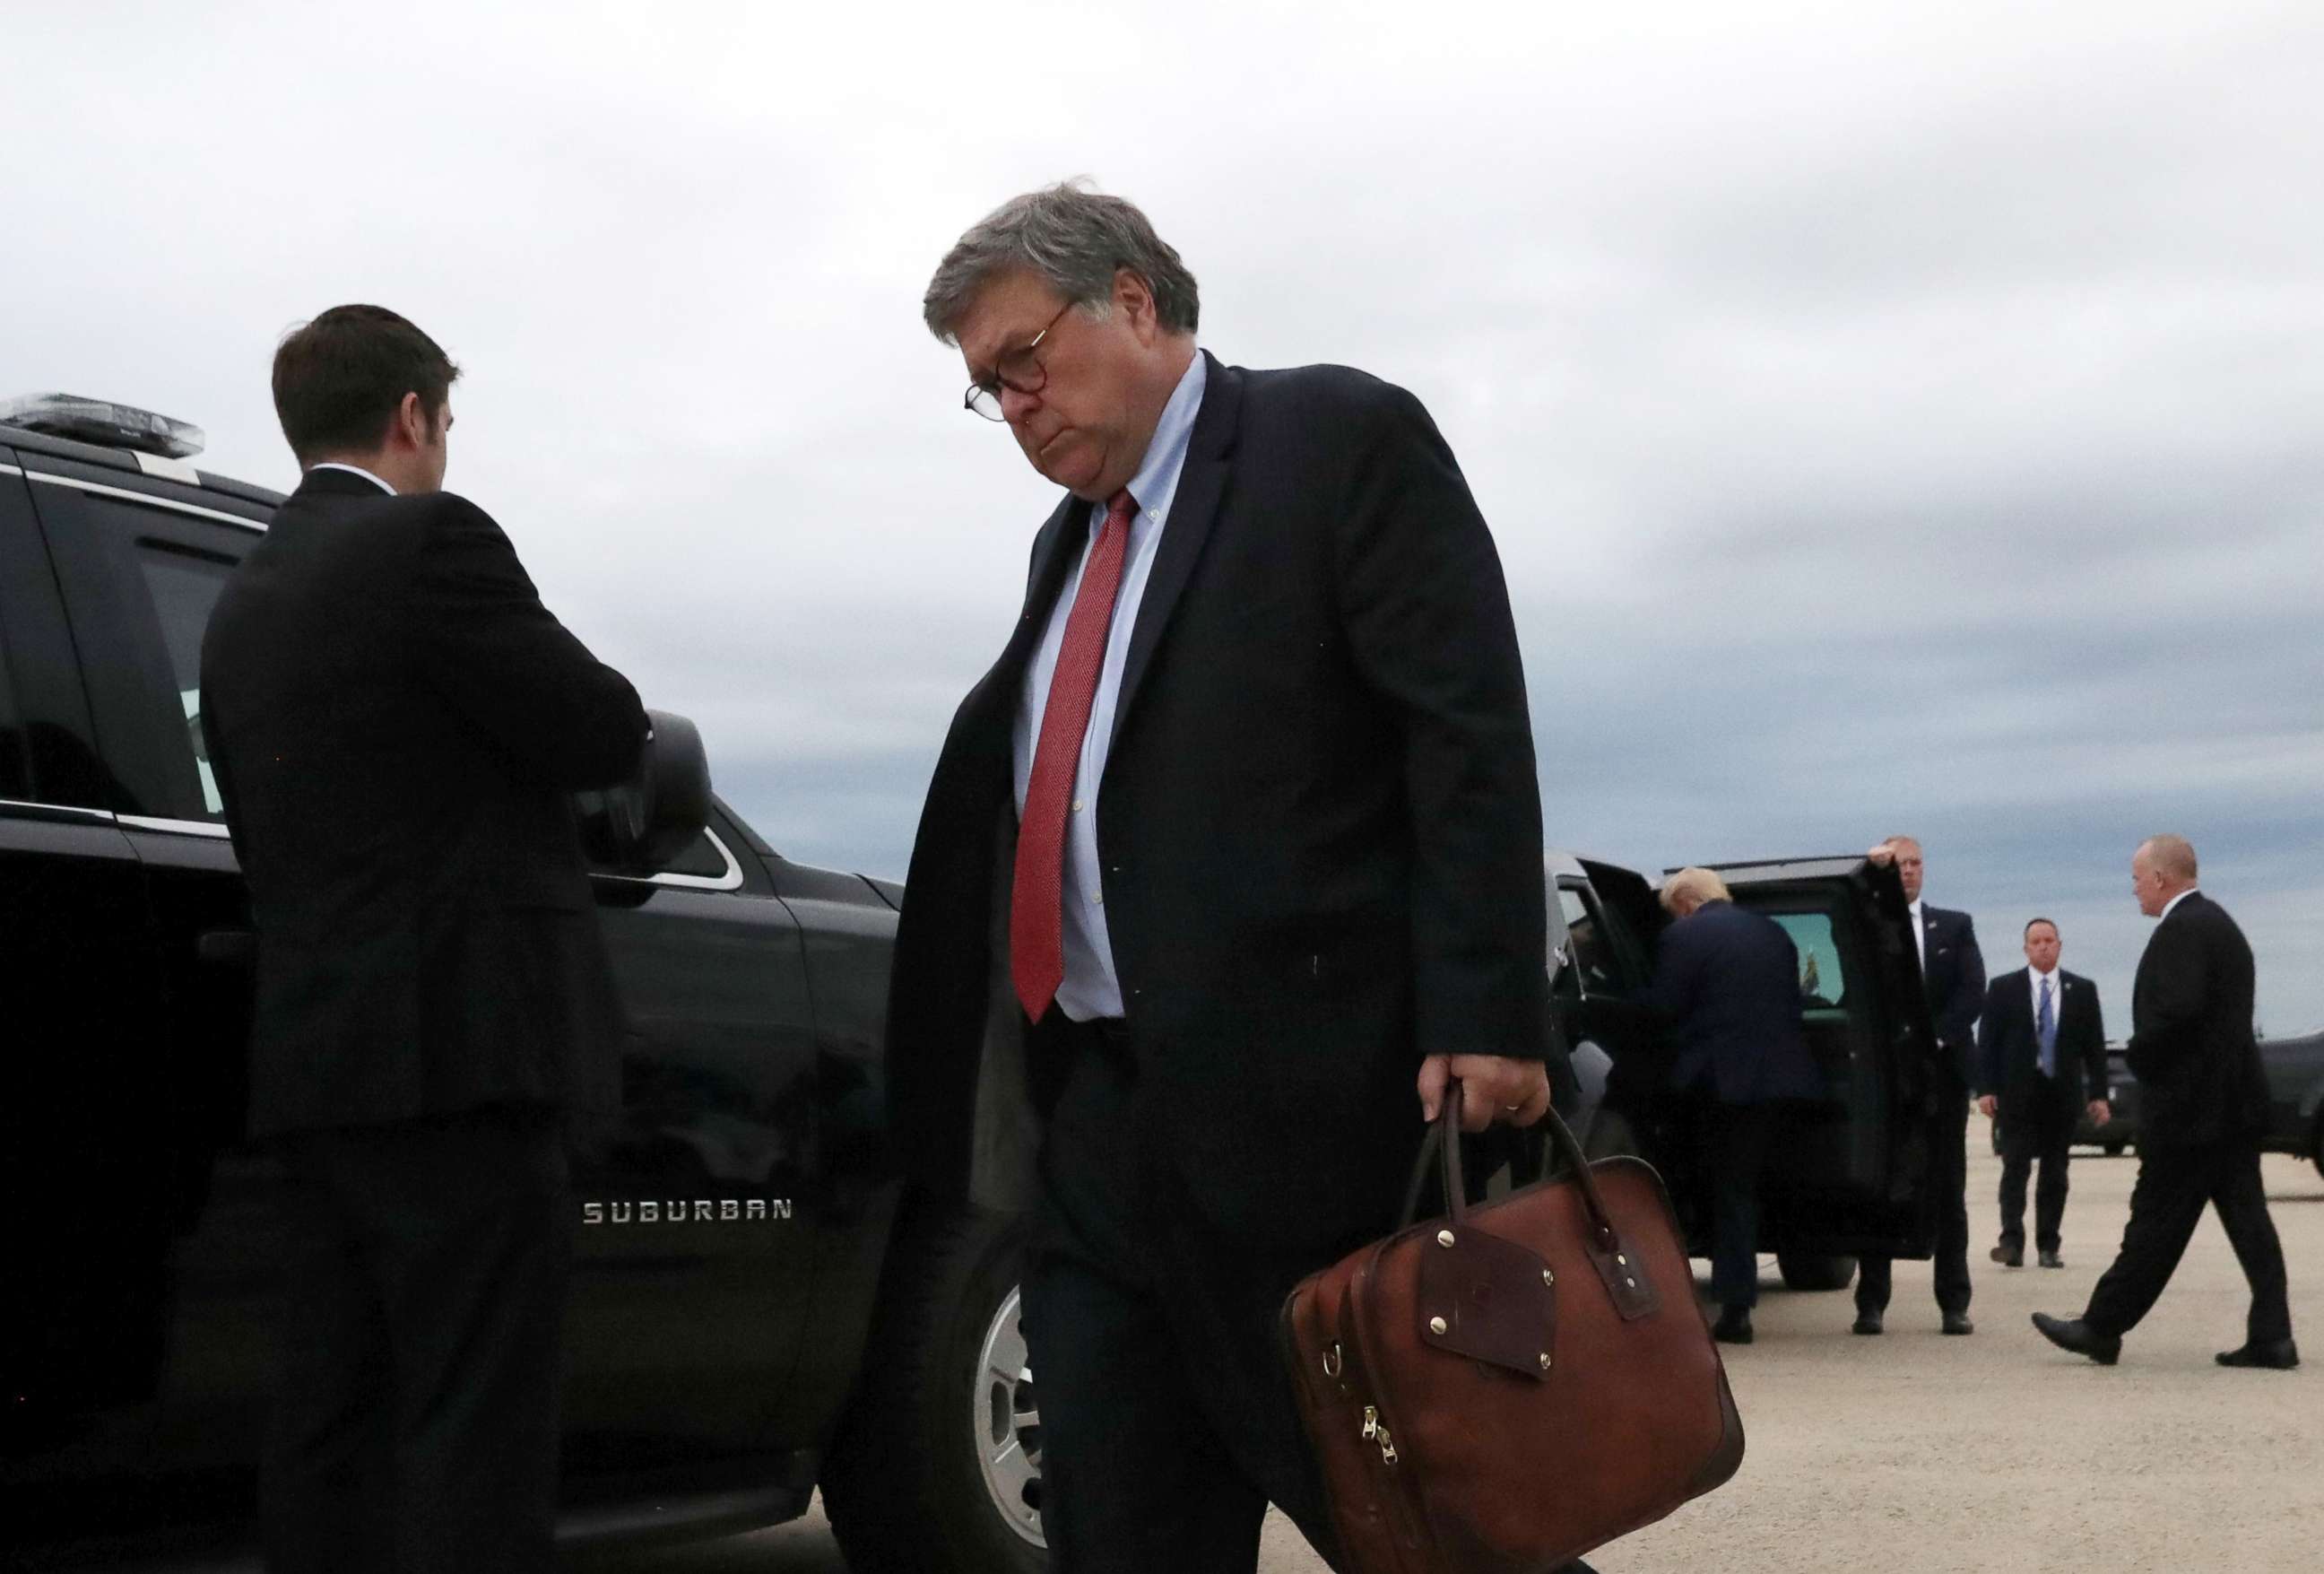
[
  {"x": 2041, "y": 1041},
  {"x": 395, "y": 722},
  {"x": 2203, "y": 1104},
  {"x": 1953, "y": 976},
  {"x": 1234, "y": 851},
  {"x": 1729, "y": 980}
]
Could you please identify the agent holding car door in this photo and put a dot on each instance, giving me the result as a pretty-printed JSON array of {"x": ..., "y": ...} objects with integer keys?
[
  {"x": 1953, "y": 977},
  {"x": 395, "y": 722}
]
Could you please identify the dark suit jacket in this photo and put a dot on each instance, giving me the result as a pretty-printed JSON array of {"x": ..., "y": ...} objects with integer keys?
[
  {"x": 1730, "y": 979},
  {"x": 395, "y": 720},
  {"x": 1319, "y": 823},
  {"x": 2191, "y": 1044},
  {"x": 2009, "y": 1053},
  {"x": 1953, "y": 975}
]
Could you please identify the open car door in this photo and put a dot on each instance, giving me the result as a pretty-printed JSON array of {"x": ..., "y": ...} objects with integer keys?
[{"x": 1851, "y": 1176}]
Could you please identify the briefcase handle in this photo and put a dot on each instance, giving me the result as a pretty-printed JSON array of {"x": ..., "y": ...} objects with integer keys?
[{"x": 1444, "y": 1137}]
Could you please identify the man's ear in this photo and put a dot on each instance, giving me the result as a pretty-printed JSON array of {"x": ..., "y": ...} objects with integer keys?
[
  {"x": 413, "y": 422},
  {"x": 1132, "y": 296}
]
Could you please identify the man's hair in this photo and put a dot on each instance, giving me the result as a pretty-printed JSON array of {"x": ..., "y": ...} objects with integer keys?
[
  {"x": 1075, "y": 240},
  {"x": 1699, "y": 884},
  {"x": 2173, "y": 855},
  {"x": 1914, "y": 842},
  {"x": 2032, "y": 922},
  {"x": 339, "y": 379}
]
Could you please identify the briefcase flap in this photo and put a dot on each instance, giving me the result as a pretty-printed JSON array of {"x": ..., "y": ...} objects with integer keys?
[{"x": 1488, "y": 1299}]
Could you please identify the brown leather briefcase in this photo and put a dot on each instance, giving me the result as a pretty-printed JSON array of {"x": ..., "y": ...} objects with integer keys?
[{"x": 1498, "y": 1392}]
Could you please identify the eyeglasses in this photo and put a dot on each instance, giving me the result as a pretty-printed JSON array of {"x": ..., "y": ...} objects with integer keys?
[{"x": 1020, "y": 369}]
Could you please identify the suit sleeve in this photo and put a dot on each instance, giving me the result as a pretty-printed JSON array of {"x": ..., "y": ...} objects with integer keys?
[
  {"x": 1426, "y": 615},
  {"x": 2094, "y": 1055},
  {"x": 1988, "y": 1041},
  {"x": 1677, "y": 974},
  {"x": 484, "y": 641},
  {"x": 1961, "y": 1010},
  {"x": 2170, "y": 1017}
]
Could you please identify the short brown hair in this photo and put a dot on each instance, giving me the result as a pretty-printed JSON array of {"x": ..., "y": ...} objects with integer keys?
[{"x": 339, "y": 379}]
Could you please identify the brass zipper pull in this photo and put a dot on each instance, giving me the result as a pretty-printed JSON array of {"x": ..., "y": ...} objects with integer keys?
[{"x": 1376, "y": 1430}]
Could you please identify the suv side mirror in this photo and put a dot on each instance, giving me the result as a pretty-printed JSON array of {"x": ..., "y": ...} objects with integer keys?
[{"x": 643, "y": 824}]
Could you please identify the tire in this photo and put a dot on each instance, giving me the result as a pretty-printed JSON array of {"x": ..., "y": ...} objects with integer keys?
[
  {"x": 936, "y": 1468},
  {"x": 1814, "y": 1274},
  {"x": 2316, "y": 1146}
]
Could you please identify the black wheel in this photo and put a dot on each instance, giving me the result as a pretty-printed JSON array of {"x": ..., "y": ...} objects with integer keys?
[
  {"x": 2316, "y": 1144},
  {"x": 1811, "y": 1272},
  {"x": 937, "y": 1469}
]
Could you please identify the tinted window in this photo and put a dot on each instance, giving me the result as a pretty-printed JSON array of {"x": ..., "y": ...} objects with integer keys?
[
  {"x": 183, "y": 588},
  {"x": 1594, "y": 964},
  {"x": 15, "y": 780},
  {"x": 700, "y": 857},
  {"x": 1823, "y": 979}
]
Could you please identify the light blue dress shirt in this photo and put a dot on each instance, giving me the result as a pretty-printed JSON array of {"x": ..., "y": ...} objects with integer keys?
[{"x": 1090, "y": 988}]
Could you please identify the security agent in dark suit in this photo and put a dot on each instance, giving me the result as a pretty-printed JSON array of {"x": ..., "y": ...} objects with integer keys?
[
  {"x": 1730, "y": 981},
  {"x": 2041, "y": 1043},
  {"x": 395, "y": 721},
  {"x": 2203, "y": 1104},
  {"x": 1952, "y": 975},
  {"x": 1234, "y": 850}
]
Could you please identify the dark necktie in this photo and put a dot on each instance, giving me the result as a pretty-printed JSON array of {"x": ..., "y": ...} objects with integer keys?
[
  {"x": 2045, "y": 1028},
  {"x": 1036, "y": 951}
]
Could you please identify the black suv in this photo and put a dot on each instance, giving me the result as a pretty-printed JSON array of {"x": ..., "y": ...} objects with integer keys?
[
  {"x": 760, "y": 1309},
  {"x": 735, "y": 1223}
]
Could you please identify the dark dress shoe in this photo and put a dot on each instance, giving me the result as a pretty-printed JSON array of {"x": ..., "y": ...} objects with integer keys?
[
  {"x": 2008, "y": 1256},
  {"x": 2051, "y": 1260},
  {"x": 2074, "y": 1334},
  {"x": 2281, "y": 1355},
  {"x": 1867, "y": 1322},
  {"x": 1734, "y": 1325},
  {"x": 1958, "y": 1322}
]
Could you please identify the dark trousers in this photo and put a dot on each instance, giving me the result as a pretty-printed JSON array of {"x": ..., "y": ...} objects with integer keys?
[
  {"x": 2175, "y": 1183},
  {"x": 1736, "y": 1143},
  {"x": 416, "y": 1425},
  {"x": 1168, "y": 1420},
  {"x": 1949, "y": 1180},
  {"x": 2037, "y": 1125}
]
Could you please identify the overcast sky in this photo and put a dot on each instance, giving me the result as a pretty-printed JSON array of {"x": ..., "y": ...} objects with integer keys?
[{"x": 1892, "y": 418}]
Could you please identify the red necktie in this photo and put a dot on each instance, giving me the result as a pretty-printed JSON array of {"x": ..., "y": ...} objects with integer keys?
[{"x": 1036, "y": 947}]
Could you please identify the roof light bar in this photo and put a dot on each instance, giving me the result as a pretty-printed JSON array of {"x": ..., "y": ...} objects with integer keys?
[{"x": 100, "y": 421}]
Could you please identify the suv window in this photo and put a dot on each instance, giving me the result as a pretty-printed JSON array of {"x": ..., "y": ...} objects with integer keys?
[
  {"x": 1596, "y": 968},
  {"x": 1823, "y": 978},
  {"x": 183, "y": 588},
  {"x": 15, "y": 779}
]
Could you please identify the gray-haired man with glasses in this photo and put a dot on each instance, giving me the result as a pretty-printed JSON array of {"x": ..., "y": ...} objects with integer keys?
[{"x": 1244, "y": 819}]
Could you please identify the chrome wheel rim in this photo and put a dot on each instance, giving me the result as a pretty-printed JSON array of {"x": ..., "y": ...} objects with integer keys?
[{"x": 1007, "y": 1424}]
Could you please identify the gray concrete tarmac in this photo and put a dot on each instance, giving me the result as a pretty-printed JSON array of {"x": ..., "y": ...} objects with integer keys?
[{"x": 1913, "y": 1453}]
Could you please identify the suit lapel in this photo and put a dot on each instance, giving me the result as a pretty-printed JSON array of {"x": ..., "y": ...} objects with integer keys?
[
  {"x": 1053, "y": 557},
  {"x": 1202, "y": 482}
]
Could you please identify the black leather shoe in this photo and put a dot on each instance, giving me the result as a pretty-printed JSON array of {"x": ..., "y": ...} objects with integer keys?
[
  {"x": 1958, "y": 1322},
  {"x": 2281, "y": 1355},
  {"x": 2074, "y": 1334},
  {"x": 1734, "y": 1325},
  {"x": 2051, "y": 1260},
  {"x": 2008, "y": 1256},
  {"x": 1867, "y": 1322}
]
